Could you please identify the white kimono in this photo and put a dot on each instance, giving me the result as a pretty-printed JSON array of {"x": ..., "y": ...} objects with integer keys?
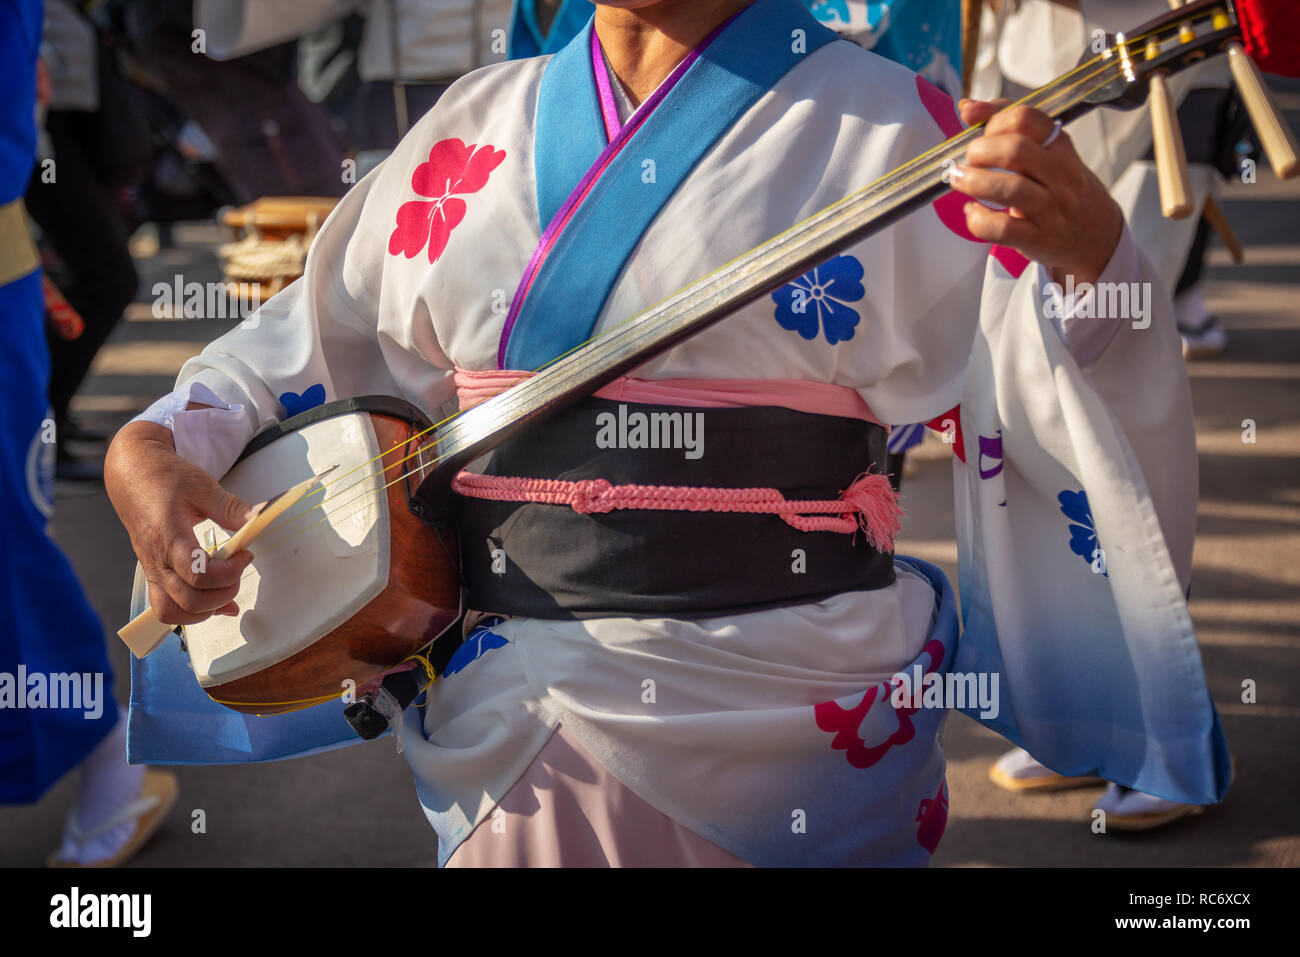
[{"x": 771, "y": 734}]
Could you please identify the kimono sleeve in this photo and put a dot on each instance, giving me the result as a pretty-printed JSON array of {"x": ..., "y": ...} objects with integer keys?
[
  {"x": 341, "y": 330},
  {"x": 1075, "y": 513}
]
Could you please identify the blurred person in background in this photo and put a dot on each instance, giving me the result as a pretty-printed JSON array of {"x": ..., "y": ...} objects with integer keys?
[
  {"x": 95, "y": 145},
  {"x": 57, "y": 710},
  {"x": 409, "y": 51},
  {"x": 268, "y": 138}
]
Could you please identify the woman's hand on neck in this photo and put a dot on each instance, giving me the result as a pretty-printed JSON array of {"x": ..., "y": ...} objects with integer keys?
[{"x": 644, "y": 40}]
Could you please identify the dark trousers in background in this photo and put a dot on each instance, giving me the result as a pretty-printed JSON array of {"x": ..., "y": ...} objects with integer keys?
[
  {"x": 81, "y": 219},
  {"x": 270, "y": 139},
  {"x": 373, "y": 124}
]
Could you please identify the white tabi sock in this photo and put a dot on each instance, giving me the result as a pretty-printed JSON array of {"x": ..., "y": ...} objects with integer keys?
[{"x": 107, "y": 785}]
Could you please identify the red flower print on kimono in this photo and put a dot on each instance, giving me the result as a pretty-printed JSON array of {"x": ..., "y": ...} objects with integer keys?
[
  {"x": 452, "y": 168},
  {"x": 932, "y": 818},
  {"x": 867, "y": 730}
]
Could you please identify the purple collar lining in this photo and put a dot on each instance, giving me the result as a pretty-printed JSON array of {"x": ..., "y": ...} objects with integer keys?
[{"x": 605, "y": 90}]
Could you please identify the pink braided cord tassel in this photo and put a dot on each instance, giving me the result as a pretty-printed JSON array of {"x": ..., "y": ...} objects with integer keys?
[{"x": 869, "y": 504}]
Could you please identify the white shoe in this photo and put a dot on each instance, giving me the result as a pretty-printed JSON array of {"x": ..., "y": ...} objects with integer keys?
[
  {"x": 1018, "y": 771},
  {"x": 1129, "y": 810},
  {"x": 1205, "y": 343},
  {"x": 1203, "y": 337}
]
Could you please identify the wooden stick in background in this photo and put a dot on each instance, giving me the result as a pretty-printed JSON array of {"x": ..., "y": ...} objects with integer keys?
[
  {"x": 1213, "y": 214},
  {"x": 1171, "y": 156},
  {"x": 1274, "y": 134}
]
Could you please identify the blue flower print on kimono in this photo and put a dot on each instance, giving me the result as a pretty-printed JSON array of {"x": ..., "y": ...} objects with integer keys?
[
  {"x": 1083, "y": 534},
  {"x": 819, "y": 300},
  {"x": 309, "y": 398}
]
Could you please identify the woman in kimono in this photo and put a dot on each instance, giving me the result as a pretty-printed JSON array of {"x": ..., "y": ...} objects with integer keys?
[{"x": 720, "y": 688}]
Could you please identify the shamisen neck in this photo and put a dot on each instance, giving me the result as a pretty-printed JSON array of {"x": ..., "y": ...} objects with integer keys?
[{"x": 645, "y": 40}]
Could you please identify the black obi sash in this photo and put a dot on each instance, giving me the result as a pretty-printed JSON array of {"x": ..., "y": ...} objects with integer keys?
[{"x": 549, "y": 561}]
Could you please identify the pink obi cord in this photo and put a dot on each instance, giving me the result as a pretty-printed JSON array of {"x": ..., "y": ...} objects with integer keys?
[{"x": 869, "y": 504}]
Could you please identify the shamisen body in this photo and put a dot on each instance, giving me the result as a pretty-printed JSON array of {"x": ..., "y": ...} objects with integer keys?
[{"x": 750, "y": 723}]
